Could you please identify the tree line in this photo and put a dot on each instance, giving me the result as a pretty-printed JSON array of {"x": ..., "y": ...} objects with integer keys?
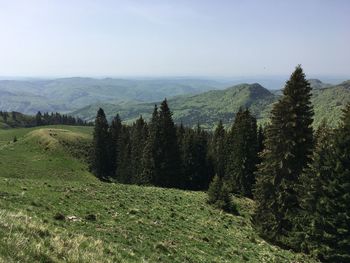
[
  {"x": 16, "y": 119},
  {"x": 164, "y": 154},
  {"x": 299, "y": 179},
  {"x": 56, "y": 119}
]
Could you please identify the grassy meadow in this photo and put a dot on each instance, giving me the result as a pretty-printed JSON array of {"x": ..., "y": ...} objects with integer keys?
[{"x": 53, "y": 210}]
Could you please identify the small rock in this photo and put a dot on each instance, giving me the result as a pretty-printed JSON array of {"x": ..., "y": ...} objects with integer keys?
[
  {"x": 91, "y": 217},
  {"x": 73, "y": 218},
  {"x": 59, "y": 216}
]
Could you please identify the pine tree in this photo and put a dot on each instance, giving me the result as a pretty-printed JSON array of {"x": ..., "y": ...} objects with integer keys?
[
  {"x": 325, "y": 195},
  {"x": 101, "y": 165},
  {"x": 219, "y": 196},
  {"x": 147, "y": 164},
  {"x": 288, "y": 146},
  {"x": 194, "y": 159},
  {"x": 243, "y": 154},
  {"x": 188, "y": 158},
  {"x": 214, "y": 189},
  {"x": 152, "y": 151},
  {"x": 38, "y": 119},
  {"x": 261, "y": 138},
  {"x": 115, "y": 131},
  {"x": 201, "y": 178},
  {"x": 218, "y": 153},
  {"x": 139, "y": 133},
  {"x": 124, "y": 170},
  {"x": 168, "y": 162}
]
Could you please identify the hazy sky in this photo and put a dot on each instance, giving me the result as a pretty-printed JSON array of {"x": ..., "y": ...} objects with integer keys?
[{"x": 173, "y": 38}]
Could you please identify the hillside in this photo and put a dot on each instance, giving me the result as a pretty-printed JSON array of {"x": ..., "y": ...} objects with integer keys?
[
  {"x": 54, "y": 210},
  {"x": 68, "y": 94},
  {"x": 206, "y": 108},
  {"x": 329, "y": 102},
  {"x": 209, "y": 107}
]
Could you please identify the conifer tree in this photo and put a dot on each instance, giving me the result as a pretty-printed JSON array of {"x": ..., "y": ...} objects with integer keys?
[
  {"x": 288, "y": 146},
  {"x": 139, "y": 133},
  {"x": 219, "y": 195},
  {"x": 214, "y": 189},
  {"x": 188, "y": 158},
  {"x": 168, "y": 162},
  {"x": 243, "y": 154},
  {"x": 38, "y": 119},
  {"x": 218, "y": 153},
  {"x": 194, "y": 159},
  {"x": 325, "y": 195},
  {"x": 152, "y": 150},
  {"x": 261, "y": 138},
  {"x": 5, "y": 115},
  {"x": 201, "y": 178},
  {"x": 147, "y": 164},
  {"x": 101, "y": 165},
  {"x": 123, "y": 172},
  {"x": 115, "y": 131}
]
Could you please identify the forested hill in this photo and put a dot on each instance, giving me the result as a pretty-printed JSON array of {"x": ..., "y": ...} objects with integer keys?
[
  {"x": 209, "y": 107},
  {"x": 206, "y": 108}
]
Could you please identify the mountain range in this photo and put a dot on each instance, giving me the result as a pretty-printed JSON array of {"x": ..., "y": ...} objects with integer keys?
[
  {"x": 69, "y": 94},
  {"x": 209, "y": 107},
  {"x": 203, "y": 101}
]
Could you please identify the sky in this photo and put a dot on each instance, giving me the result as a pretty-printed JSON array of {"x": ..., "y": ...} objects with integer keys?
[{"x": 152, "y": 38}]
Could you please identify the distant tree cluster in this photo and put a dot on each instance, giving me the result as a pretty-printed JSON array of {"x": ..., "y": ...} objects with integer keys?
[
  {"x": 17, "y": 119},
  {"x": 155, "y": 153},
  {"x": 163, "y": 154},
  {"x": 57, "y": 118}
]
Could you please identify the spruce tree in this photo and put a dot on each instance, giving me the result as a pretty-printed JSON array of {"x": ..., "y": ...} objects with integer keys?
[
  {"x": 147, "y": 164},
  {"x": 101, "y": 164},
  {"x": 139, "y": 133},
  {"x": 124, "y": 170},
  {"x": 38, "y": 119},
  {"x": 288, "y": 145},
  {"x": 194, "y": 159},
  {"x": 218, "y": 153},
  {"x": 115, "y": 131},
  {"x": 261, "y": 138},
  {"x": 243, "y": 154},
  {"x": 152, "y": 151},
  {"x": 168, "y": 162},
  {"x": 219, "y": 195},
  {"x": 214, "y": 189},
  {"x": 325, "y": 195},
  {"x": 201, "y": 178}
]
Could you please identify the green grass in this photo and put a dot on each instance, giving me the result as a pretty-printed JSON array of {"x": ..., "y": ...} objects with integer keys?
[{"x": 39, "y": 180}]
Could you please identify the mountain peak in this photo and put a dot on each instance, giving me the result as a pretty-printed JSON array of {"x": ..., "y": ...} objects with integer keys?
[{"x": 318, "y": 84}]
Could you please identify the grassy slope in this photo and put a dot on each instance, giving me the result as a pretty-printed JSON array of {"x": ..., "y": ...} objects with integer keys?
[{"x": 133, "y": 224}]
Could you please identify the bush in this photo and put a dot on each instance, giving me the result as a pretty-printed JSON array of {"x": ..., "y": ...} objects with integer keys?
[{"x": 219, "y": 196}]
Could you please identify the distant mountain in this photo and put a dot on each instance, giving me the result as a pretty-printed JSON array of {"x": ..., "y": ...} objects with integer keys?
[
  {"x": 69, "y": 94},
  {"x": 314, "y": 83},
  {"x": 209, "y": 107},
  {"x": 206, "y": 108},
  {"x": 318, "y": 84},
  {"x": 329, "y": 102}
]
